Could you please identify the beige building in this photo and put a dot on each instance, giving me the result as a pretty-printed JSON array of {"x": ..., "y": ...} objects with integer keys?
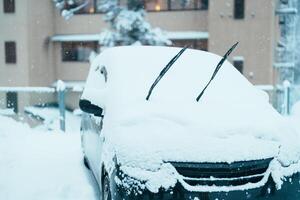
[{"x": 39, "y": 47}]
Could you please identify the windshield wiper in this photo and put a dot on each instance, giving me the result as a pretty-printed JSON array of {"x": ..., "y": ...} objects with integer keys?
[
  {"x": 164, "y": 71},
  {"x": 217, "y": 69}
]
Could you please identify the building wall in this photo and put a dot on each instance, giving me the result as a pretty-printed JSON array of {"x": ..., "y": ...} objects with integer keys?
[
  {"x": 40, "y": 29},
  {"x": 69, "y": 71},
  {"x": 93, "y": 24},
  {"x": 14, "y": 27},
  {"x": 255, "y": 34},
  {"x": 78, "y": 24},
  {"x": 180, "y": 20},
  {"x": 30, "y": 26}
]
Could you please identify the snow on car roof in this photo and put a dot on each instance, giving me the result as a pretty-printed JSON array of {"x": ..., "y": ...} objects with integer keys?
[
  {"x": 230, "y": 102},
  {"x": 132, "y": 70}
]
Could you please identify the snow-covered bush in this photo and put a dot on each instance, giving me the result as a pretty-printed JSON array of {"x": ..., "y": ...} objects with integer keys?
[{"x": 127, "y": 24}]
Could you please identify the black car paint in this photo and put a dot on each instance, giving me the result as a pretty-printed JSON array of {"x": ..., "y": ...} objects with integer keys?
[{"x": 290, "y": 191}]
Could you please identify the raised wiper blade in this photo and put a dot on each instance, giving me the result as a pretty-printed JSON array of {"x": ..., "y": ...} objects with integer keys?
[
  {"x": 164, "y": 71},
  {"x": 217, "y": 69}
]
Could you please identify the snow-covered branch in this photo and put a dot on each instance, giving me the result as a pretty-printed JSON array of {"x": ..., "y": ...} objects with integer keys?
[
  {"x": 69, "y": 7},
  {"x": 127, "y": 24}
]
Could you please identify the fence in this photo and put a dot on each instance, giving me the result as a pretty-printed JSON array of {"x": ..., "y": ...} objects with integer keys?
[
  {"x": 283, "y": 97},
  {"x": 14, "y": 98}
]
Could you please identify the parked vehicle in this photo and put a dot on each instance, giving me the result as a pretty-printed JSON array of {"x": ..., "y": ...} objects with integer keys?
[{"x": 166, "y": 123}]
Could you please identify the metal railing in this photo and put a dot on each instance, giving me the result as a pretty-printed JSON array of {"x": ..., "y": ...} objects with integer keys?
[{"x": 56, "y": 94}]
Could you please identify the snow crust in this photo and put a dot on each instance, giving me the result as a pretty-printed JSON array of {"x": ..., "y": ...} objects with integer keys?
[{"x": 232, "y": 122}]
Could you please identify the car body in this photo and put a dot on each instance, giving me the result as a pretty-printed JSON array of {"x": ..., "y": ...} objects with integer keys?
[{"x": 231, "y": 144}]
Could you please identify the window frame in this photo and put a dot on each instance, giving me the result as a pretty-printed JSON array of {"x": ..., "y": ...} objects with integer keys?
[
  {"x": 10, "y": 51},
  {"x": 96, "y": 11},
  {"x": 170, "y": 9},
  {"x": 199, "y": 44},
  {"x": 9, "y": 6},
  {"x": 239, "y": 9},
  {"x": 74, "y": 46},
  {"x": 239, "y": 65},
  {"x": 12, "y": 101}
]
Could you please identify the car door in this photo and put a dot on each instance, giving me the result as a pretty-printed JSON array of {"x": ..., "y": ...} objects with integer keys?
[
  {"x": 96, "y": 141},
  {"x": 93, "y": 92}
]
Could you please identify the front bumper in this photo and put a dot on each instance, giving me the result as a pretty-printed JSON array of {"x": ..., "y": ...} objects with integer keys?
[{"x": 290, "y": 190}]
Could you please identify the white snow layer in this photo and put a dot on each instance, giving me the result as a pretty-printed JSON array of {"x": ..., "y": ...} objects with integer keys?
[
  {"x": 51, "y": 118},
  {"x": 172, "y": 35},
  {"x": 7, "y": 111},
  {"x": 27, "y": 89},
  {"x": 38, "y": 165},
  {"x": 232, "y": 122}
]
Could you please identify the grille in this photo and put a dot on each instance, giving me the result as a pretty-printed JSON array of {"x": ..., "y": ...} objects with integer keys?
[{"x": 222, "y": 174}]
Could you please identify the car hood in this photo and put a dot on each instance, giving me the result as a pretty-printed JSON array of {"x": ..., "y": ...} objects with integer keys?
[{"x": 149, "y": 144}]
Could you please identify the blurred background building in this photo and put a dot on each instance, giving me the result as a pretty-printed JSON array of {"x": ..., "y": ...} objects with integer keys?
[{"x": 39, "y": 47}]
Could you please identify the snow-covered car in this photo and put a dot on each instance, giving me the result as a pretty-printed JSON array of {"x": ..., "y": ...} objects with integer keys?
[{"x": 151, "y": 131}]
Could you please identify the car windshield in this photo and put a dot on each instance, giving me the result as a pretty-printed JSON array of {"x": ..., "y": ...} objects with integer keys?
[
  {"x": 230, "y": 96},
  {"x": 135, "y": 69}
]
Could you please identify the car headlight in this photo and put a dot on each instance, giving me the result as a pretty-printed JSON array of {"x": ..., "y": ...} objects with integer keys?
[{"x": 134, "y": 178}]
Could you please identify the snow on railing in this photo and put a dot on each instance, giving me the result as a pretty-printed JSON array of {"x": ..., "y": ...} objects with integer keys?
[
  {"x": 265, "y": 87},
  {"x": 60, "y": 88},
  {"x": 27, "y": 89}
]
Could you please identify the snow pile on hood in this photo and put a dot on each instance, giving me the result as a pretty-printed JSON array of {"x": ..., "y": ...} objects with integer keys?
[{"x": 233, "y": 121}]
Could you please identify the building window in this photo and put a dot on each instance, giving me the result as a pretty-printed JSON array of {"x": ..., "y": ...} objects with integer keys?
[
  {"x": 10, "y": 52},
  {"x": 88, "y": 9},
  {"x": 169, "y": 5},
  {"x": 239, "y": 65},
  {"x": 78, "y": 51},
  {"x": 200, "y": 44},
  {"x": 239, "y": 9},
  {"x": 9, "y": 6},
  {"x": 149, "y": 5},
  {"x": 12, "y": 101}
]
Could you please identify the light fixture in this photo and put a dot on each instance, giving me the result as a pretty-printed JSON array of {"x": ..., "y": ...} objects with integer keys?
[
  {"x": 91, "y": 10},
  {"x": 157, "y": 7}
]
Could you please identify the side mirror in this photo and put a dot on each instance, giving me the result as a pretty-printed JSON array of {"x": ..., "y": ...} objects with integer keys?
[{"x": 88, "y": 107}]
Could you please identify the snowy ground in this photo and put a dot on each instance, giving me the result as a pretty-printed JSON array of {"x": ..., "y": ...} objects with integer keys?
[
  {"x": 37, "y": 164},
  {"x": 50, "y": 118}
]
